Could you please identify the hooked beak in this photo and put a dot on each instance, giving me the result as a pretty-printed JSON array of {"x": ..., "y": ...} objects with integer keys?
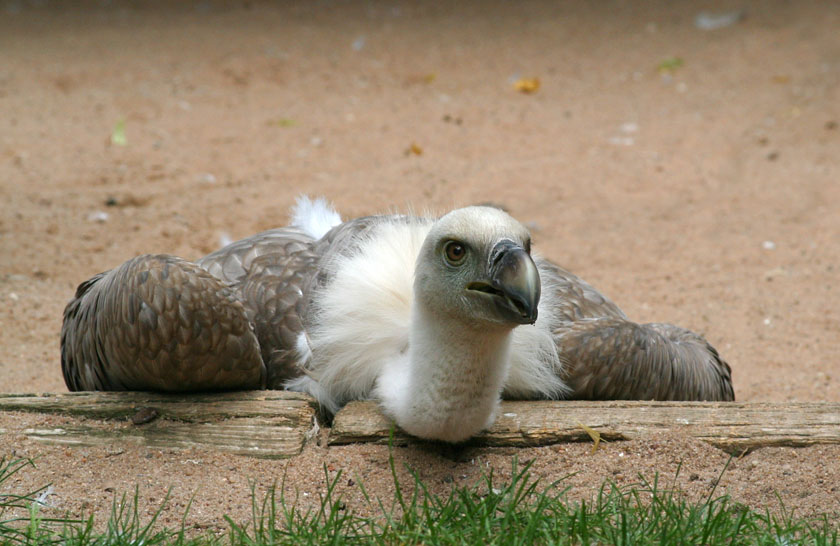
[{"x": 514, "y": 281}]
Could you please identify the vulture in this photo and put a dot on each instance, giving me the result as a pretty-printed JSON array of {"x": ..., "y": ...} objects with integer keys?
[{"x": 434, "y": 318}]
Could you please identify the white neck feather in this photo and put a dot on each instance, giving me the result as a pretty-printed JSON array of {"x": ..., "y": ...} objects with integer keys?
[{"x": 448, "y": 385}]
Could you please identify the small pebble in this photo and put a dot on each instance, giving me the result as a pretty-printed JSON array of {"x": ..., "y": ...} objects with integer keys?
[
  {"x": 98, "y": 216},
  {"x": 713, "y": 21},
  {"x": 42, "y": 498},
  {"x": 144, "y": 415},
  {"x": 775, "y": 273},
  {"x": 622, "y": 140},
  {"x": 629, "y": 127},
  {"x": 768, "y": 245}
]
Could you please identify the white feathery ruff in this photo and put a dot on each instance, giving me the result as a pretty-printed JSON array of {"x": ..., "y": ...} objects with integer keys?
[
  {"x": 363, "y": 318},
  {"x": 314, "y": 216}
]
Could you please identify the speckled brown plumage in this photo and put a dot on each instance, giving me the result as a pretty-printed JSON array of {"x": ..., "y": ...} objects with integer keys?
[
  {"x": 270, "y": 274},
  {"x": 158, "y": 323}
]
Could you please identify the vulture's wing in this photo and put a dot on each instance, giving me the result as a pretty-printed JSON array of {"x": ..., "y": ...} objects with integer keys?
[
  {"x": 166, "y": 324},
  {"x": 158, "y": 323},
  {"x": 607, "y": 357},
  {"x": 232, "y": 320},
  {"x": 615, "y": 359}
]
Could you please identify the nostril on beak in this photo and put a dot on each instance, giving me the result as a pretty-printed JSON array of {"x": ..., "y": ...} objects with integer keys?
[{"x": 499, "y": 251}]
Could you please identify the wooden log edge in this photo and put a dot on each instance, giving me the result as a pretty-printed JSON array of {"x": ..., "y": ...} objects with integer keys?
[
  {"x": 281, "y": 421},
  {"x": 269, "y": 424},
  {"x": 735, "y": 427}
]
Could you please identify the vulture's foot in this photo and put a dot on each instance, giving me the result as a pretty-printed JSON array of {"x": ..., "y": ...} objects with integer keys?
[{"x": 158, "y": 323}]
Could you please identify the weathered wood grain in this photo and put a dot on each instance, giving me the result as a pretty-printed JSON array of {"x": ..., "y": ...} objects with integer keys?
[
  {"x": 732, "y": 426},
  {"x": 186, "y": 407},
  {"x": 272, "y": 424},
  {"x": 276, "y": 423}
]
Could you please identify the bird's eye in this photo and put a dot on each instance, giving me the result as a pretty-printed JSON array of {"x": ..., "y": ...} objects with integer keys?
[{"x": 454, "y": 252}]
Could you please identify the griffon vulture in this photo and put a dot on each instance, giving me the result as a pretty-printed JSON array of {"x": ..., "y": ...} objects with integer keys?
[{"x": 435, "y": 318}]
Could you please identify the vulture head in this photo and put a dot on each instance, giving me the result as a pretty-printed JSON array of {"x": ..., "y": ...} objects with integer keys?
[
  {"x": 475, "y": 267},
  {"x": 474, "y": 282}
]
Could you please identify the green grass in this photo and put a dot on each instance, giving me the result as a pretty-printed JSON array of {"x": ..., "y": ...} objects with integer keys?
[{"x": 520, "y": 511}]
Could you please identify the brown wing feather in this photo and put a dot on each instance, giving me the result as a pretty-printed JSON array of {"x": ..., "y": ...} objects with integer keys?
[
  {"x": 615, "y": 359},
  {"x": 608, "y": 357},
  {"x": 158, "y": 323},
  {"x": 274, "y": 292},
  {"x": 233, "y": 262}
]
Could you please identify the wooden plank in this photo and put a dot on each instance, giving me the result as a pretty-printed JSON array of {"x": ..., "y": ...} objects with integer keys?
[
  {"x": 732, "y": 426},
  {"x": 183, "y": 407},
  {"x": 272, "y": 424},
  {"x": 276, "y": 423},
  {"x": 252, "y": 437}
]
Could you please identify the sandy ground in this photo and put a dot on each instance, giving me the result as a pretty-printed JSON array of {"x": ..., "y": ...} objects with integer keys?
[{"x": 692, "y": 175}]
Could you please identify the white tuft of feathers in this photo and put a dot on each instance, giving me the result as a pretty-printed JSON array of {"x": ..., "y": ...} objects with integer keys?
[
  {"x": 363, "y": 318},
  {"x": 314, "y": 216},
  {"x": 536, "y": 367},
  {"x": 224, "y": 239}
]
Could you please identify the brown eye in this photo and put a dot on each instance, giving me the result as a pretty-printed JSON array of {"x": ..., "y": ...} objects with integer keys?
[{"x": 454, "y": 252}]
